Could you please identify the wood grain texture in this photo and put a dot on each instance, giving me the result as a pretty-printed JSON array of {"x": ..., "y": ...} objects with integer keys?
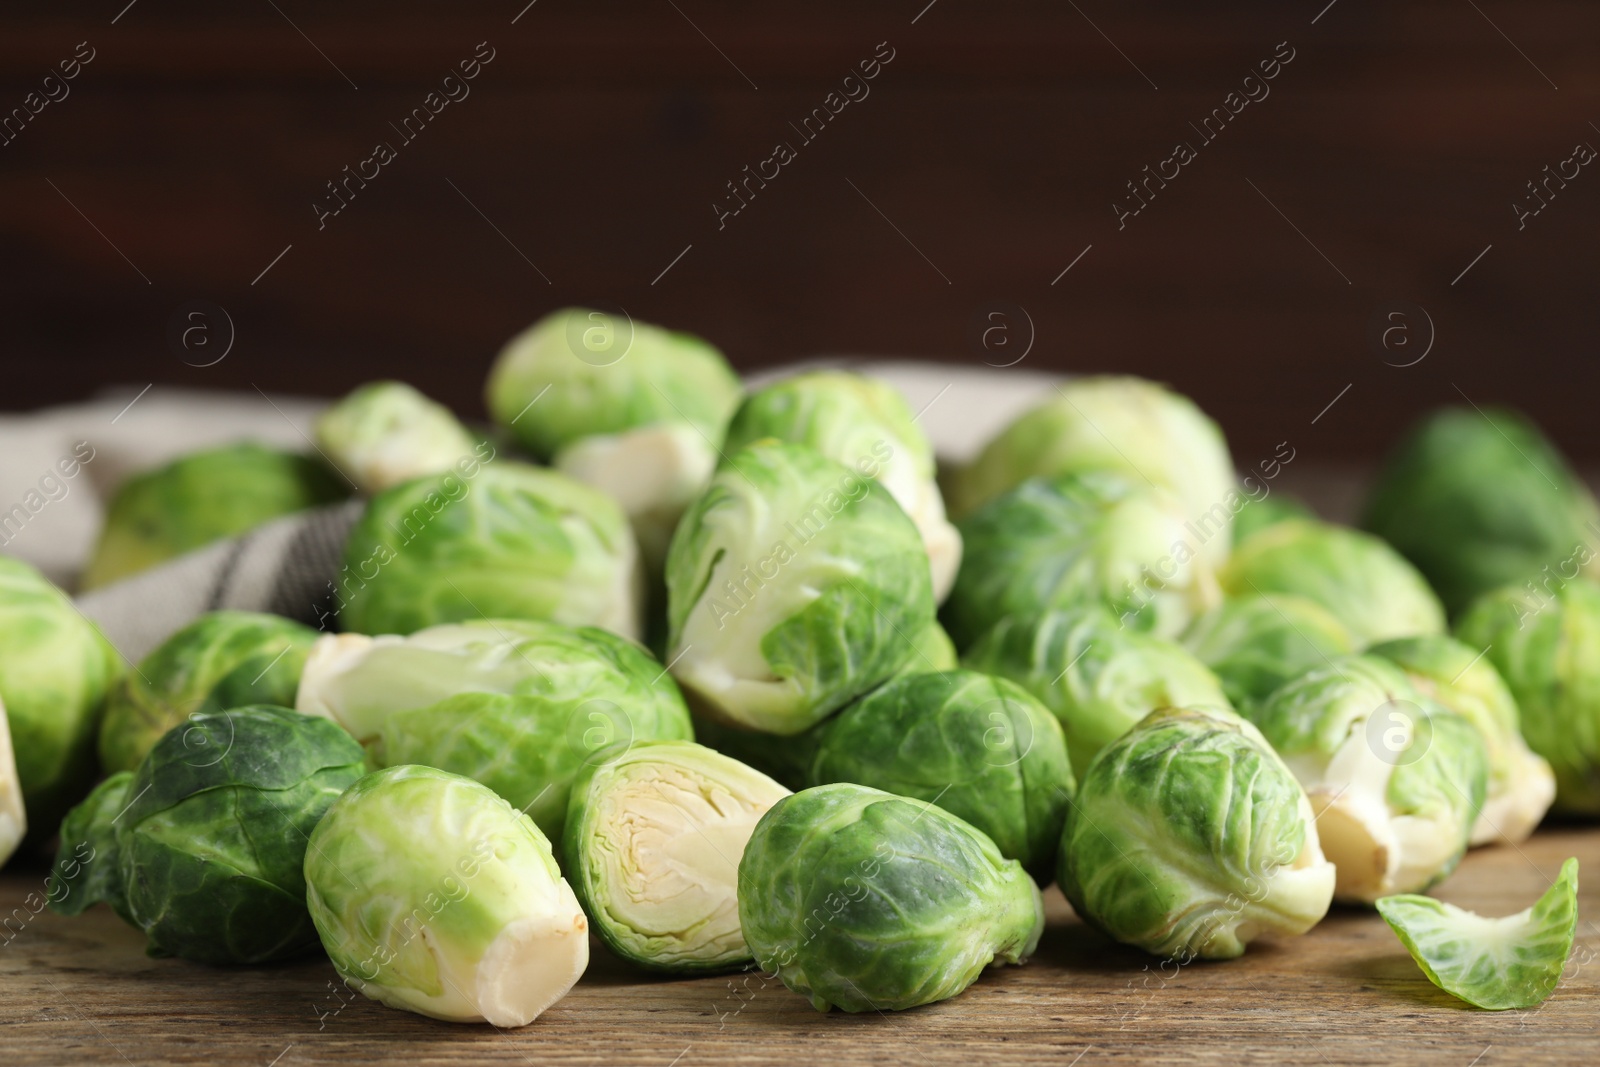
[
  {"x": 80, "y": 991},
  {"x": 996, "y": 142}
]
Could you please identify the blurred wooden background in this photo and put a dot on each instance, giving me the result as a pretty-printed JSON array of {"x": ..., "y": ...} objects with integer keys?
[{"x": 985, "y": 160}]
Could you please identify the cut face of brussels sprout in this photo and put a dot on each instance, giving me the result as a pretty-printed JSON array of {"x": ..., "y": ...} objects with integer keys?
[
  {"x": 1359, "y": 579},
  {"x": 1096, "y": 677},
  {"x": 1396, "y": 779},
  {"x": 509, "y": 541},
  {"x": 433, "y": 895},
  {"x": 866, "y": 425},
  {"x": 385, "y": 433},
  {"x": 1256, "y": 643},
  {"x": 520, "y": 706},
  {"x": 1076, "y": 539},
  {"x": 201, "y": 498},
  {"x": 13, "y": 817},
  {"x": 210, "y": 844},
  {"x": 793, "y": 585},
  {"x": 1479, "y": 499},
  {"x": 1189, "y": 838},
  {"x": 222, "y": 660},
  {"x": 596, "y": 372},
  {"x": 980, "y": 747},
  {"x": 653, "y": 841},
  {"x": 1514, "y": 962},
  {"x": 55, "y": 671},
  {"x": 1521, "y": 785},
  {"x": 1137, "y": 428},
  {"x": 654, "y": 473},
  {"x": 88, "y": 870},
  {"x": 1547, "y": 650},
  {"x": 866, "y": 901}
]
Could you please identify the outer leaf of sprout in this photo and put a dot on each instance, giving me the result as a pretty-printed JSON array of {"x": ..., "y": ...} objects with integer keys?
[
  {"x": 1512, "y": 962},
  {"x": 1256, "y": 643}
]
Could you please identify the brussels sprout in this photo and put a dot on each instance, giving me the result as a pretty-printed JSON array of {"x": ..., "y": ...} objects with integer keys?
[
  {"x": 980, "y": 747},
  {"x": 633, "y": 410},
  {"x": 507, "y": 541},
  {"x": 1480, "y": 499},
  {"x": 210, "y": 844},
  {"x": 865, "y": 424},
  {"x": 1075, "y": 540},
  {"x": 520, "y": 706},
  {"x": 653, "y": 842},
  {"x": 1096, "y": 677},
  {"x": 13, "y": 817},
  {"x": 793, "y": 586},
  {"x": 1548, "y": 653},
  {"x": 932, "y": 651},
  {"x": 1256, "y": 643},
  {"x": 865, "y": 901},
  {"x": 1189, "y": 837},
  {"x": 222, "y": 660},
  {"x": 87, "y": 870},
  {"x": 55, "y": 670},
  {"x": 1512, "y": 962},
  {"x": 1521, "y": 785},
  {"x": 200, "y": 498},
  {"x": 1396, "y": 779},
  {"x": 1266, "y": 511},
  {"x": 1362, "y": 582},
  {"x": 434, "y": 895},
  {"x": 1138, "y": 428},
  {"x": 385, "y": 433}
]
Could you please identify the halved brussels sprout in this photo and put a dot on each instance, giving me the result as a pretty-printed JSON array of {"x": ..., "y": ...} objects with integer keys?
[
  {"x": 1098, "y": 678},
  {"x": 88, "y": 867},
  {"x": 385, "y": 433},
  {"x": 222, "y": 660},
  {"x": 1478, "y": 499},
  {"x": 1362, "y": 582},
  {"x": 1512, "y": 962},
  {"x": 1076, "y": 539},
  {"x": 210, "y": 844},
  {"x": 200, "y": 498},
  {"x": 865, "y": 424},
  {"x": 1256, "y": 643},
  {"x": 1547, "y": 649},
  {"x": 653, "y": 842},
  {"x": 507, "y": 541},
  {"x": 1521, "y": 785},
  {"x": 55, "y": 671},
  {"x": 980, "y": 747},
  {"x": 1267, "y": 511},
  {"x": 631, "y": 409},
  {"x": 433, "y": 895},
  {"x": 1397, "y": 780},
  {"x": 520, "y": 706},
  {"x": 1189, "y": 838},
  {"x": 13, "y": 816},
  {"x": 866, "y": 901},
  {"x": 793, "y": 586},
  {"x": 1135, "y": 427}
]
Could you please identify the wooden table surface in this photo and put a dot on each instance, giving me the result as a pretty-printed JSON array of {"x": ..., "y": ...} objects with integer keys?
[{"x": 81, "y": 990}]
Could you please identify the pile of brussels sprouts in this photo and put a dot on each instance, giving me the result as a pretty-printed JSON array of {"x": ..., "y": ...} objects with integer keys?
[{"x": 714, "y": 675}]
